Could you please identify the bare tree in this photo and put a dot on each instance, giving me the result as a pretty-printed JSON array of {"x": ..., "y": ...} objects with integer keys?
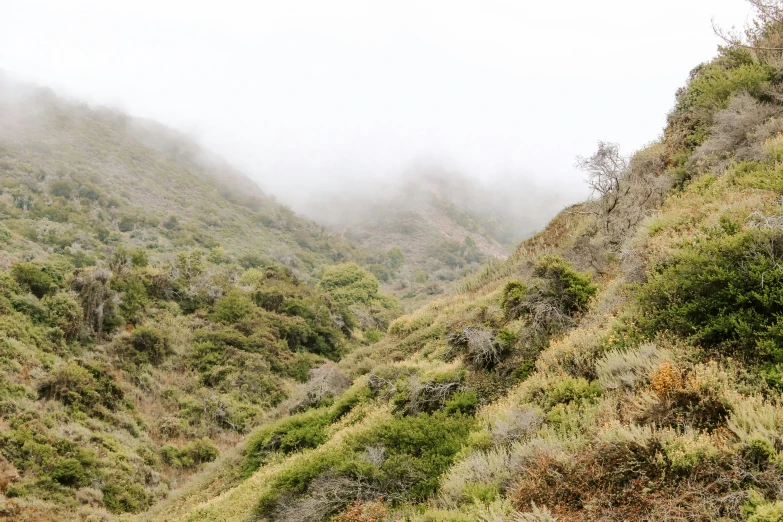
[
  {"x": 96, "y": 296},
  {"x": 605, "y": 168},
  {"x": 325, "y": 381},
  {"x": 427, "y": 396},
  {"x": 479, "y": 345},
  {"x": 755, "y": 35}
]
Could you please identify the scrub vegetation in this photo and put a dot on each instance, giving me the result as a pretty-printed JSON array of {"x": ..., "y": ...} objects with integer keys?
[{"x": 624, "y": 364}]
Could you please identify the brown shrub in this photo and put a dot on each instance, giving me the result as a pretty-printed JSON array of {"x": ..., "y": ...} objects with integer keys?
[
  {"x": 373, "y": 511},
  {"x": 629, "y": 482},
  {"x": 8, "y": 474}
]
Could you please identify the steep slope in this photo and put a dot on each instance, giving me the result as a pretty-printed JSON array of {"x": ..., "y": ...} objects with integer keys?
[
  {"x": 155, "y": 306},
  {"x": 623, "y": 364},
  {"x": 446, "y": 226},
  {"x": 77, "y": 178}
]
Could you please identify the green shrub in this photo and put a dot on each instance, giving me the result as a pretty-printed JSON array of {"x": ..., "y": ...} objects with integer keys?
[
  {"x": 462, "y": 402},
  {"x": 724, "y": 292},
  {"x": 65, "y": 313},
  {"x": 191, "y": 455},
  {"x": 31, "y": 307},
  {"x": 569, "y": 390},
  {"x": 150, "y": 345},
  {"x": 295, "y": 479},
  {"x": 396, "y": 258},
  {"x": 349, "y": 283},
  {"x": 69, "y": 472},
  {"x": 5, "y": 235},
  {"x": 712, "y": 84},
  {"x": 34, "y": 278},
  {"x": 234, "y": 307},
  {"x": 418, "y": 448},
  {"x": 757, "y": 510},
  {"x": 513, "y": 297},
  {"x": 373, "y": 335},
  {"x": 83, "y": 386},
  {"x": 571, "y": 289},
  {"x": 710, "y": 88},
  {"x": 54, "y": 462},
  {"x": 125, "y": 498},
  {"x": 297, "y": 432},
  {"x": 417, "y": 451},
  {"x": 133, "y": 292},
  {"x": 62, "y": 188},
  {"x": 139, "y": 257}
]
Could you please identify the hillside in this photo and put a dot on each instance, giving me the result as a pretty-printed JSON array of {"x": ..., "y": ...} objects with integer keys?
[
  {"x": 155, "y": 306},
  {"x": 76, "y": 179},
  {"x": 79, "y": 179},
  {"x": 446, "y": 225},
  {"x": 624, "y": 364}
]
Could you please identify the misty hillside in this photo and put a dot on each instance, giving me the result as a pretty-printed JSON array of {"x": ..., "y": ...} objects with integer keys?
[
  {"x": 77, "y": 178},
  {"x": 203, "y": 355},
  {"x": 155, "y": 306},
  {"x": 446, "y": 225},
  {"x": 624, "y": 364}
]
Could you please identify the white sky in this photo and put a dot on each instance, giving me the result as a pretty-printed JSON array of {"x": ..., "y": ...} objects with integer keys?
[{"x": 305, "y": 95}]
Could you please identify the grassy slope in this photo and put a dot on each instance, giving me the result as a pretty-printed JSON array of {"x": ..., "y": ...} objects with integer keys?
[
  {"x": 418, "y": 341},
  {"x": 634, "y": 417},
  {"x": 142, "y": 172},
  {"x": 111, "y": 211}
]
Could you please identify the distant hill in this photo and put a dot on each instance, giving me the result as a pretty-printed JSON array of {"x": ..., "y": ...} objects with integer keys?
[
  {"x": 76, "y": 179},
  {"x": 447, "y": 225}
]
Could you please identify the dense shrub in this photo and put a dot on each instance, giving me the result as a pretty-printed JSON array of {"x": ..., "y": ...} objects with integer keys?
[
  {"x": 512, "y": 299},
  {"x": 569, "y": 390},
  {"x": 724, "y": 293},
  {"x": 65, "y": 313},
  {"x": 572, "y": 290},
  {"x": 62, "y": 188},
  {"x": 418, "y": 450},
  {"x": 301, "y": 431},
  {"x": 709, "y": 89},
  {"x": 45, "y": 462},
  {"x": 234, "y": 307},
  {"x": 191, "y": 455},
  {"x": 133, "y": 293},
  {"x": 712, "y": 85},
  {"x": 349, "y": 283},
  {"x": 69, "y": 472},
  {"x": 149, "y": 345},
  {"x": 125, "y": 498},
  {"x": 35, "y": 278},
  {"x": 400, "y": 459},
  {"x": 225, "y": 361},
  {"x": 84, "y": 386},
  {"x": 31, "y": 307}
]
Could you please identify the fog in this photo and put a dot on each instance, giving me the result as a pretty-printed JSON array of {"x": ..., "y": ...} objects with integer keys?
[{"x": 319, "y": 100}]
